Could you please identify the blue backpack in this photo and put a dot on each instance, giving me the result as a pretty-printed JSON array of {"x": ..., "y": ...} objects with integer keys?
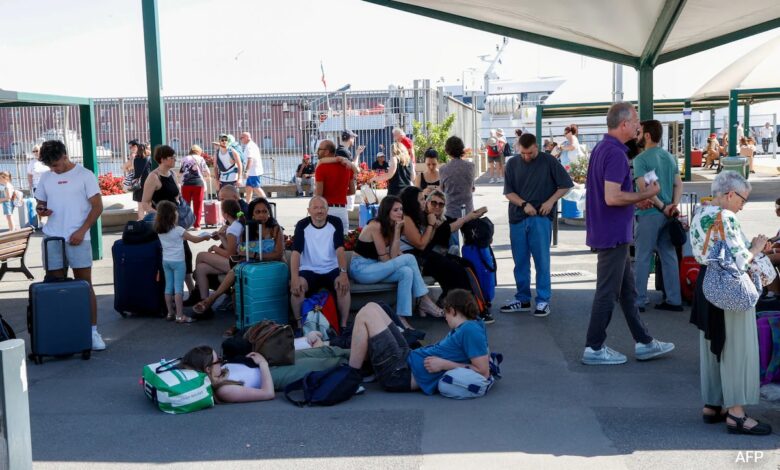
[
  {"x": 484, "y": 263},
  {"x": 326, "y": 387}
]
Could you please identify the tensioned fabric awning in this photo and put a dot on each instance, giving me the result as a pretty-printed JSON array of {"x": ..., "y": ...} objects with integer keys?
[
  {"x": 631, "y": 32},
  {"x": 757, "y": 69}
]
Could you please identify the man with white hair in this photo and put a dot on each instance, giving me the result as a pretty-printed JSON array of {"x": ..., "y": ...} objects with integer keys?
[
  {"x": 400, "y": 136},
  {"x": 609, "y": 223},
  {"x": 254, "y": 167}
]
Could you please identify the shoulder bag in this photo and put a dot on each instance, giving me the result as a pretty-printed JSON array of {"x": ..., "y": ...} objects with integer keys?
[{"x": 724, "y": 285}]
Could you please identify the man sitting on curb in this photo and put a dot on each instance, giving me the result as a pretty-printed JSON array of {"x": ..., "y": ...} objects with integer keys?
[{"x": 318, "y": 260}]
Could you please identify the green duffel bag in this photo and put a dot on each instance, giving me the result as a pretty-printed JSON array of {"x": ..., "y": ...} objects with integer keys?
[{"x": 177, "y": 391}]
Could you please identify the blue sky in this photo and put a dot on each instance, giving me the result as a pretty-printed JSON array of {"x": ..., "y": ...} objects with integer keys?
[{"x": 95, "y": 48}]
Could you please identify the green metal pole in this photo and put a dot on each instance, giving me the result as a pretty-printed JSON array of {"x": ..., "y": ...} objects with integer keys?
[
  {"x": 153, "y": 74},
  {"x": 645, "y": 92},
  {"x": 712, "y": 121},
  {"x": 539, "y": 114},
  {"x": 733, "y": 103},
  {"x": 746, "y": 119},
  {"x": 687, "y": 118},
  {"x": 89, "y": 143}
]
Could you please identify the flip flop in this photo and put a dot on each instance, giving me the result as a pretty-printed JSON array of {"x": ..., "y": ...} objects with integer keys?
[{"x": 185, "y": 319}]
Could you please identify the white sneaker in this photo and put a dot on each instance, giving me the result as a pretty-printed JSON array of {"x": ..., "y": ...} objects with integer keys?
[
  {"x": 97, "y": 342},
  {"x": 492, "y": 180},
  {"x": 652, "y": 349},
  {"x": 604, "y": 356},
  {"x": 501, "y": 180}
]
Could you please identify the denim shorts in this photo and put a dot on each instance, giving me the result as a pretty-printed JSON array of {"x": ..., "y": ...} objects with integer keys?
[
  {"x": 79, "y": 256},
  {"x": 8, "y": 208}
]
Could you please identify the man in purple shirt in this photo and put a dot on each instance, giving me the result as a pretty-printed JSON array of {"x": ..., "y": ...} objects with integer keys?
[{"x": 609, "y": 220}]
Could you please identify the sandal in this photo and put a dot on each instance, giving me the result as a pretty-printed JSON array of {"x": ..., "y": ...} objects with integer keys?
[
  {"x": 201, "y": 307},
  {"x": 170, "y": 317},
  {"x": 718, "y": 417},
  {"x": 760, "y": 429},
  {"x": 185, "y": 319},
  {"x": 425, "y": 310}
]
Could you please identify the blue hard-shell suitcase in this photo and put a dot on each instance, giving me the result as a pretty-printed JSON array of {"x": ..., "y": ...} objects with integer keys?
[
  {"x": 59, "y": 315},
  {"x": 262, "y": 291},
  {"x": 139, "y": 281}
]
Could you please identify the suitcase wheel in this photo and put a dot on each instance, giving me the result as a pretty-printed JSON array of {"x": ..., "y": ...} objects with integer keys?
[
  {"x": 86, "y": 354},
  {"x": 35, "y": 358},
  {"x": 124, "y": 314}
]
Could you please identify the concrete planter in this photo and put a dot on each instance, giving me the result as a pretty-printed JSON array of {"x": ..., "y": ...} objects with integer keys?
[{"x": 118, "y": 209}]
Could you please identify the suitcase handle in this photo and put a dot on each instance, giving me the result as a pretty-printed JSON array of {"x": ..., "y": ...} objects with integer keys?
[{"x": 46, "y": 242}]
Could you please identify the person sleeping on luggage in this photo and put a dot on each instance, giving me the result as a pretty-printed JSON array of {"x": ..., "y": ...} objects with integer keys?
[
  {"x": 398, "y": 369},
  {"x": 271, "y": 244},
  {"x": 249, "y": 378}
]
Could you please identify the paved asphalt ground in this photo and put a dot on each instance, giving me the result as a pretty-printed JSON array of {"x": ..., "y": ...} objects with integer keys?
[{"x": 549, "y": 411}]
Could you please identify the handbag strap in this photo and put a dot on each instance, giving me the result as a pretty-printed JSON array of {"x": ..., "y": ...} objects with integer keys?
[{"x": 716, "y": 225}]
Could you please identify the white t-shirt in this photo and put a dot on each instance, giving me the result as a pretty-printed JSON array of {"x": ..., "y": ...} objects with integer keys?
[
  {"x": 252, "y": 152},
  {"x": 172, "y": 244},
  {"x": 766, "y": 132},
  {"x": 36, "y": 169},
  {"x": 67, "y": 195},
  {"x": 236, "y": 229},
  {"x": 226, "y": 158}
]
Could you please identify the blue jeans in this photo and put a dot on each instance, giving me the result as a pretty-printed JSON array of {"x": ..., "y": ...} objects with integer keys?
[
  {"x": 531, "y": 237},
  {"x": 174, "y": 277},
  {"x": 650, "y": 236},
  {"x": 402, "y": 269}
]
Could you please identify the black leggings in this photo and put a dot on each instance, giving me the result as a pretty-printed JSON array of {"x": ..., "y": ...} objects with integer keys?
[{"x": 447, "y": 272}]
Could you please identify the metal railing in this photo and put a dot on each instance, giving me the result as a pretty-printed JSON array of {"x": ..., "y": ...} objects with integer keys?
[{"x": 285, "y": 126}]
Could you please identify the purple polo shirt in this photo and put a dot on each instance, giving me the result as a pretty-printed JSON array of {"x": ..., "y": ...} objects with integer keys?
[{"x": 608, "y": 226}]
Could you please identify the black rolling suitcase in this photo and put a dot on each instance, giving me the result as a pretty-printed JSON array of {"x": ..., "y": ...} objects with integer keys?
[{"x": 59, "y": 315}]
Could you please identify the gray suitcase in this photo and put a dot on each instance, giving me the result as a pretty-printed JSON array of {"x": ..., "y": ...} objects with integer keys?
[{"x": 59, "y": 316}]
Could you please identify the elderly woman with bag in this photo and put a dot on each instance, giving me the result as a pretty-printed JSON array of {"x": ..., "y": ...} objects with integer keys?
[{"x": 728, "y": 340}]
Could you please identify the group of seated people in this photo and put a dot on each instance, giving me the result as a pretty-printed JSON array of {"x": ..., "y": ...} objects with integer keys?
[
  {"x": 409, "y": 238},
  {"x": 375, "y": 340}
]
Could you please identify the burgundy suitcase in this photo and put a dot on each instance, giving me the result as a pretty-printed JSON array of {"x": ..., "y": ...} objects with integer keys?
[{"x": 212, "y": 214}]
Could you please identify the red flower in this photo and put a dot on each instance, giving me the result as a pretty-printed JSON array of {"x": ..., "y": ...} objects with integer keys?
[{"x": 110, "y": 184}]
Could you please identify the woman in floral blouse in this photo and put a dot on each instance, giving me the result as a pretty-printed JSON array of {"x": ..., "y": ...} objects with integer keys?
[{"x": 728, "y": 339}]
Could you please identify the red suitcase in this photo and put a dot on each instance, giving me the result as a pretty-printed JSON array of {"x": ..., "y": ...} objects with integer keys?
[
  {"x": 689, "y": 272},
  {"x": 212, "y": 214}
]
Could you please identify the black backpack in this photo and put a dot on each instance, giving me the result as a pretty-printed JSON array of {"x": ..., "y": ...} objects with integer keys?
[
  {"x": 478, "y": 232},
  {"x": 138, "y": 232},
  {"x": 326, "y": 387}
]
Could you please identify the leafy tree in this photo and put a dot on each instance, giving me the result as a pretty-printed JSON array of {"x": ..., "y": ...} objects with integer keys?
[{"x": 435, "y": 137}]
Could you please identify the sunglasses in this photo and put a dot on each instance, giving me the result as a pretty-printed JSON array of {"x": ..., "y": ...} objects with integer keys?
[
  {"x": 223, "y": 140},
  {"x": 220, "y": 361},
  {"x": 436, "y": 203}
]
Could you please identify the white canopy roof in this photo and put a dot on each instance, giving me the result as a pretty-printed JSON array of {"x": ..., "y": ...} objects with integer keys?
[
  {"x": 631, "y": 32},
  {"x": 759, "y": 68}
]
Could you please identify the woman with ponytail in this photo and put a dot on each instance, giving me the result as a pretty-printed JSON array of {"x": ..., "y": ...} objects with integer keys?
[
  {"x": 399, "y": 369},
  {"x": 217, "y": 259}
]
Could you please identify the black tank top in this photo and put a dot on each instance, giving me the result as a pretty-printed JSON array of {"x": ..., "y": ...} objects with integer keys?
[
  {"x": 424, "y": 184},
  {"x": 366, "y": 249},
  {"x": 169, "y": 191},
  {"x": 401, "y": 179}
]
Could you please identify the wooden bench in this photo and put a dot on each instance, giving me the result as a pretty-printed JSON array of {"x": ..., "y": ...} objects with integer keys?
[{"x": 14, "y": 245}]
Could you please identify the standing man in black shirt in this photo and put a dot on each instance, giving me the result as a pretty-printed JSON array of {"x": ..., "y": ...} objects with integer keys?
[{"x": 534, "y": 183}]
